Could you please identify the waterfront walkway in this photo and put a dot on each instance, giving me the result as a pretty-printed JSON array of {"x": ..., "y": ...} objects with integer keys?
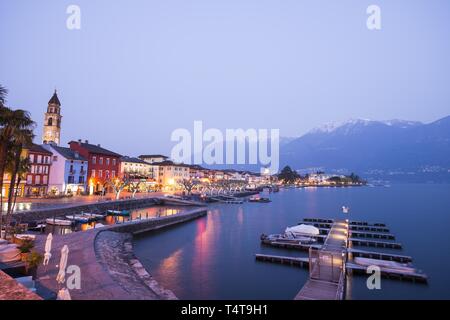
[{"x": 109, "y": 269}]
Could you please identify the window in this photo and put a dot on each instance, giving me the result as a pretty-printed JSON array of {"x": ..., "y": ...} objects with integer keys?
[
  {"x": 94, "y": 160},
  {"x": 38, "y": 179},
  {"x": 71, "y": 179},
  {"x": 107, "y": 174},
  {"x": 39, "y": 159},
  {"x": 50, "y": 121},
  {"x": 71, "y": 168},
  {"x": 93, "y": 174},
  {"x": 101, "y": 160},
  {"x": 113, "y": 174},
  {"x": 100, "y": 173},
  {"x": 82, "y": 169},
  {"x": 107, "y": 161},
  {"x": 29, "y": 179},
  {"x": 114, "y": 162},
  {"x": 44, "y": 180},
  {"x": 55, "y": 158},
  {"x": 81, "y": 179}
]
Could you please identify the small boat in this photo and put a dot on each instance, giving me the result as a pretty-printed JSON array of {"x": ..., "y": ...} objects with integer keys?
[
  {"x": 59, "y": 222},
  {"x": 259, "y": 199},
  {"x": 37, "y": 227},
  {"x": 392, "y": 265},
  {"x": 288, "y": 238},
  {"x": 119, "y": 212},
  {"x": 85, "y": 217}
]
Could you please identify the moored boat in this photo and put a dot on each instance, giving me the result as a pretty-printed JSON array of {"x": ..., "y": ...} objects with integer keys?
[
  {"x": 119, "y": 212},
  {"x": 288, "y": 238},
  {"x": 404, "y": 267},
  {"x": 59, "y": 222},
  {"x": 259, "y": 199}
]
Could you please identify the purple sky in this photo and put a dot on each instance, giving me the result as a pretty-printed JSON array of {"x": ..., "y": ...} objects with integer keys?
[{"x": 139, "y": 69}]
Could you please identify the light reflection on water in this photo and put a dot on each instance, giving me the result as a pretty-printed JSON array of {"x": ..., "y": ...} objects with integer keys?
[
  {"x": 137, "y": 214},
  {"x": 215, "y": 255}
]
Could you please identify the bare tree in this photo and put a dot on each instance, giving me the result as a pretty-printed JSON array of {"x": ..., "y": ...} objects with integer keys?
[
  {"x": 188, "y": 184},
  {"x": 118, "y": 184},
  {"x": 134, "y": 186}
]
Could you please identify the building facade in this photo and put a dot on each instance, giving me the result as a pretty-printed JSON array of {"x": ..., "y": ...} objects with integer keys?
[
  {"x": 51, "y": 132},
  {"x": 69, "y": 171},
  {"x": 135, "y": 166},
  {"x": 103, "y": 164},
  {"x": 38, "y": 177},
  {"x": 169, "y": 173}
]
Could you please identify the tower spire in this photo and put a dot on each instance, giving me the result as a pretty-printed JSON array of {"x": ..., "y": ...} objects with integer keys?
[{"x": 52, "y": 121}]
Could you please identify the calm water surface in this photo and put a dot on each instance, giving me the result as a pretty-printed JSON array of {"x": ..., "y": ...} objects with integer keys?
[{"x": 213, "y": 257}]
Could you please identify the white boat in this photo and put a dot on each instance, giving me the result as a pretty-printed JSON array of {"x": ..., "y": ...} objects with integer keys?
[
  {"x": 404, "y": 267},
  {"x": 25, "y": 237},
  {"x": 302, "y": 230},
  {"x": 84, "y": 217},
  {"x": 288, "y": 238},
  {"x": 58, "y": 222}
]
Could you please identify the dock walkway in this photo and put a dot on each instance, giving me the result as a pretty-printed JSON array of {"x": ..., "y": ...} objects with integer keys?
[{"x": 327, "y": 267}]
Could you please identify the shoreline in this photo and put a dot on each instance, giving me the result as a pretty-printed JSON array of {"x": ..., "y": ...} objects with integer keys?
[{"x": 109, "y": 268}]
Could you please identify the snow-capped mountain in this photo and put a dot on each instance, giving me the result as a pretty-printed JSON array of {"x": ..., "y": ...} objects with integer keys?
[{"x": 361, "y": 145}]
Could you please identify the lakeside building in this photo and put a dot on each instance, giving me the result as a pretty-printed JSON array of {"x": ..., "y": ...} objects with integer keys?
[
  {"x": 153, "y": 159},
  {"x": 38, "y": 176},
  {"x": 197, "y": 172},
  {"x": 103, "y": 164},
  {"x": 170, "y": 172},
  {"x": 18, "y": 189},
  {"x": 135, "y": 166},
  {"x": 69, "y": 171}
]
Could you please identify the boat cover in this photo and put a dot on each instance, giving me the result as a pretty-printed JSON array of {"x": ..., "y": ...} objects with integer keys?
[{"x": 303, "y": 229}]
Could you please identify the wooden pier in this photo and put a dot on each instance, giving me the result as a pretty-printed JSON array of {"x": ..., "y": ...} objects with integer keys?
[
  {"x": 372, "y": 235},
  {"x": 327, "y": 267},
  {"x": 330, "y": 263},
  {"x": 353, "y": 253},
  {"x": 293, "y": 261},
  {"x": 350, "y": 267},
  {"x": 390, "y": 273},
  {"x": 377, "y": 244}
]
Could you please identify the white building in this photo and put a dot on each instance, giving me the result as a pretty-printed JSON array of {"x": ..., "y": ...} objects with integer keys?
[
  {"x": 169, "y": 173},
  {"x": 68, "y": 174},
  {"x": 135, "y": 166}
]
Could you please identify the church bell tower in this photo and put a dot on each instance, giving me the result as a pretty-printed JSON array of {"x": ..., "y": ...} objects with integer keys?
[{"x": 52, "y": 121}]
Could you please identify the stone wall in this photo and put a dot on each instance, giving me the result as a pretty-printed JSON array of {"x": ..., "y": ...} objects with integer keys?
[
  {"x": 141, "y": 226},
  {"x": 42, "y": 214}
]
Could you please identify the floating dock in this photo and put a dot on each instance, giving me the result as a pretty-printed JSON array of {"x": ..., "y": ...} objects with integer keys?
[{"x": 332, "y": 259}]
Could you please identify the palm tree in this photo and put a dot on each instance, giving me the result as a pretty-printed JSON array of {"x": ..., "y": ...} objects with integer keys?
[
  {"x": 3, "y": 94},
  {"x": 16, "y": 131},
  {"x": 22, "y": 138},
  {"x": 23, "y": 167}
]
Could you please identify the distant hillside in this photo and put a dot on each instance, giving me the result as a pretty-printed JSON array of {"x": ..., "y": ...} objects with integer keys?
[{"x": 366, "y": 146}]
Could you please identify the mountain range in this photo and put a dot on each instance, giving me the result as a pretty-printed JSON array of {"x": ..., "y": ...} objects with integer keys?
[{"x": 372, "y": 146}]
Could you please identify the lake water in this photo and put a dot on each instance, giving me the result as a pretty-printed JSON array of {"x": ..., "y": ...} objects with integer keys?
[{"x": 214, "y": 257}]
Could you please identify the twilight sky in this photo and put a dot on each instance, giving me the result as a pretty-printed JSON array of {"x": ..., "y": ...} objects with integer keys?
[{"x": 139, "y": 69}]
